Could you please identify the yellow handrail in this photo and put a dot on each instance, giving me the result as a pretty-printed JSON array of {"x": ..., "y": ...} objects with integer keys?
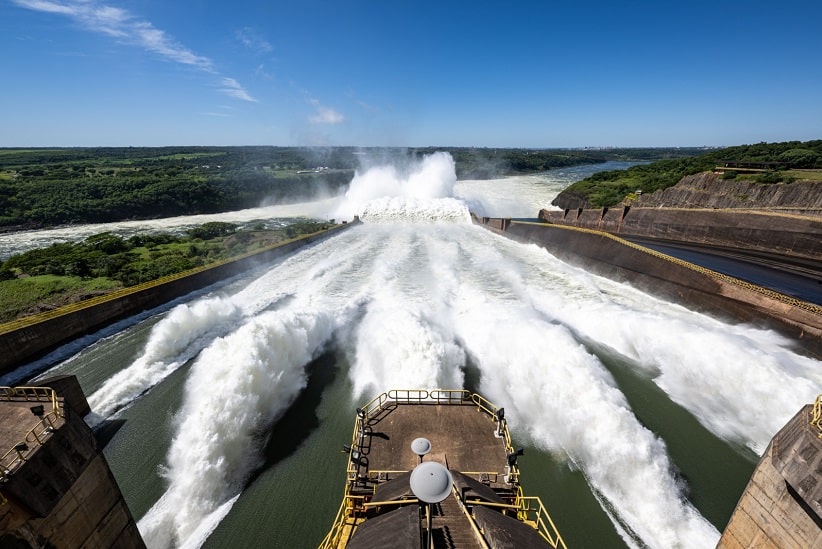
[
  {"x": 538, "y": 516},
  {"x": 348, "y": 508},
  {"x": 816, "y": 415},
  {"x": 36, "y": 394},
  {"x": 473, "y": 523},
  {"x": 14, "y": 458}
]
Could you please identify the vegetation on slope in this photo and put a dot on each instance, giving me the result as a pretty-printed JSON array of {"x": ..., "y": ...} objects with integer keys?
[
  {"x": 609, "y": 188},
  {"x": 60, "y": 274}
]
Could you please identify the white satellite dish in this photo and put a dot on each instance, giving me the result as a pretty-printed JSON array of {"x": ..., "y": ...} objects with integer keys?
[
  {"x": 421, "y": 446},
  {"x": 431, "y": 482}
]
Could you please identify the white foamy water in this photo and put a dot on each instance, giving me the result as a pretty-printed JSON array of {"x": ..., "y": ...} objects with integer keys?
[
  {"x": 410, "y": 296},
  {"x": 177, "y": 338},
  {"x": 523, "y": 196},
  {"x": 237, "y": 387}
]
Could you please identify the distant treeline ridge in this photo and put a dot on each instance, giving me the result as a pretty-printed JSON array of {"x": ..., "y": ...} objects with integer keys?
[{"x": 47, "y": 187}]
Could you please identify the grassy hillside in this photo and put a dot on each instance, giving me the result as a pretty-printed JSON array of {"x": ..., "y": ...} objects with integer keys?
[
  {"x": 60, "y": 274},
  {"x": 611, "y": 187}
]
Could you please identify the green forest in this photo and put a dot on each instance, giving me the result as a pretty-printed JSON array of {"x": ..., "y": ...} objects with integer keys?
[
  {"x": 48, "y": 187},
  {"x": 609, "y": 188}
]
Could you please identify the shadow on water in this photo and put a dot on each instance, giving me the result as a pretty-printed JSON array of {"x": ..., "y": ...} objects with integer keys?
[
  {"x": 472, "y": 375},
  {"x": 300, "y": 420},
  {"x": 713, "y": 472},
  {"x": 107, "y": 430}
]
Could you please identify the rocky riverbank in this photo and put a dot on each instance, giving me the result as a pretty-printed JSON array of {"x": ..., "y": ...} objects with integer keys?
[{"x": 710, "y": 190}]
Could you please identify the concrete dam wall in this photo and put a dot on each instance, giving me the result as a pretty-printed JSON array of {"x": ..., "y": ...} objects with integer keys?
[
  {"x": 30, "y": 337},
  {"x": 657, "y": 273},
  {"x": 792, "y": 235},
  {"x": 782, "y": 504}
]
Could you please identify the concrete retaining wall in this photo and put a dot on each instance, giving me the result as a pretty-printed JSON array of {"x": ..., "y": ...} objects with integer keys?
[
  {"x": 64, "y": 495},
  {"x": 693, "y": 286},
  {"x": 780, "y": 506},
  {"x": 779, "y": 233},
  {"x": 22, "y": 341}
]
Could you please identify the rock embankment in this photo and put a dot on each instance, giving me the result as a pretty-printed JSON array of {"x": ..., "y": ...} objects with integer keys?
[{"x": 709, "y": 190}]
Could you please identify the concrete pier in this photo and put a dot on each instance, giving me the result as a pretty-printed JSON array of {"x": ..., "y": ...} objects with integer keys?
[
  {"x": 56, "y": 489},
  {"x": 782, "y": 504}
]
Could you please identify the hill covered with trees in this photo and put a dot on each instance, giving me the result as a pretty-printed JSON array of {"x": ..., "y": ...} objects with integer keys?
[{"x": 778, "y": 162}]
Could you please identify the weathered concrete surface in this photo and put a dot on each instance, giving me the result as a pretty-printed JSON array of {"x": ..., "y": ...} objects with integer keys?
[
  {"x": 24, "y": 340},
  {"x": 709, "y": 190},
  {"x": 780, "y": 506},
  {"x": 695, "y": 287},
  {"x": 792, "y": 235},
  {"x": 780, "y": 218},
  {"x": 62, "y": 494}
]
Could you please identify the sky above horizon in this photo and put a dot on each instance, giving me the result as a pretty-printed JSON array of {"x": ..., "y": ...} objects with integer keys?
[{"x": 534, "y": 74}]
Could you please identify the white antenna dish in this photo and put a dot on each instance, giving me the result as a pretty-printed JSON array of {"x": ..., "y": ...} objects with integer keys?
[
  {"x": 421, "y": 446},
  {"x": 431, "y": 482}
]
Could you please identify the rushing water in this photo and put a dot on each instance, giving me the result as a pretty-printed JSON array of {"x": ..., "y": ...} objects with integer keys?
[{"x": 642, "y": 420}]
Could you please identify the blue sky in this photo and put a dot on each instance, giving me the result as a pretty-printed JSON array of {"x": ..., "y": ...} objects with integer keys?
[{"x": 396, "y": 73}]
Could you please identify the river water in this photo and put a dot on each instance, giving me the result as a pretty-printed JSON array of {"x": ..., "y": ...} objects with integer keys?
[{"x": 224, "y": 414}]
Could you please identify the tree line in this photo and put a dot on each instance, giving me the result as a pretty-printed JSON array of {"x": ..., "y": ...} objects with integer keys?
[{"x": 47, "y": 187}]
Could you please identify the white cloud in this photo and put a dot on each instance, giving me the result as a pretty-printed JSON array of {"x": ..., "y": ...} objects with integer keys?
[
  {"x": 232, "y": 88},
  {"x": 253, "y": 40},
  {"x": 49, "y": 7},
  {"x": 262, "y": 73},
  {"x": 127, "y": 28},
  {"x": 120, "y": 24},
  {"x": 324, "y": 115},
  {"x": 157, "y": 41}
]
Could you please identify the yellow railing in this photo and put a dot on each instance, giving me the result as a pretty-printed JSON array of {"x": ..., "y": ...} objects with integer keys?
[
  {"x": 530, "y": 509},
  {"x": 816, "y": 415},
  {"x": 344, "y": 522},
  {"x": 32, "y": 394},
  {"x": 416, "y": 396},
  {"x": 473, "y": 523},
  {"x": 14, "y": 458}
]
